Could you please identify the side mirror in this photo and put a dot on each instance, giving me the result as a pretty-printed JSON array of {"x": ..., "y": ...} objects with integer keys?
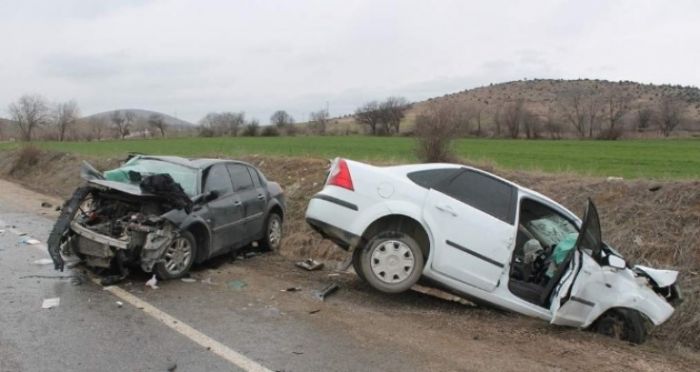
[{"x": 616, "y": 262}]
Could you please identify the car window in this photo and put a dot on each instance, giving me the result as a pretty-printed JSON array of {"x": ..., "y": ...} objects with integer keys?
[
  {"x": 432, "y": 177},
  {"x": 219, "y": 180},
  {"x": 254, "y": 175},
  {"x": 185, "y": 176},
  {"x": 241, "y": 177},
  {"x": 483, "y": 192}
]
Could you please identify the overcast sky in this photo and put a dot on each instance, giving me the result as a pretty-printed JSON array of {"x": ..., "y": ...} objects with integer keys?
[{"x": 187, "y": 58}]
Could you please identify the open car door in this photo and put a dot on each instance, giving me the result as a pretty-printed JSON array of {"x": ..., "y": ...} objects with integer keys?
[{"x": 568, "y": 306}]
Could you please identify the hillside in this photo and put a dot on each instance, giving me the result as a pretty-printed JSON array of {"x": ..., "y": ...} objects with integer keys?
[
  {"x": 142, "y": 115},
  {"x": 545, "y": 96}
]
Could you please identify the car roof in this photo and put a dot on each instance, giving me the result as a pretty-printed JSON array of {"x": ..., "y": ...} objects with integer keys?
[{"x": 201, "y": 163}]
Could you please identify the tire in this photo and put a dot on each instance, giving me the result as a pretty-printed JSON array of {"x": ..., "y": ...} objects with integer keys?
[
  {"x": 272, "y": 240},
  {"x": 62, "y": 226},
  {"x": 179, "y": 257},
  {"x": 356, "y": 256},
  {"x": 624, "y": 324},
  {"x": 392, "y": 262}
]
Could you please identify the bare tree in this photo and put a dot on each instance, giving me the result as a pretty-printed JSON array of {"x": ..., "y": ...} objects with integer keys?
[
  {"x": 669, "y": 114},
  {"x": 513, "y": 117},
  {"x": 477, "y": 110},
  {"x": 29, "y": 113},
  {"x": 581, "y": 108},
  {"x": 552, "y": 125},
  {"x": 436, "y": 127},
  {"x": 318, "y": 121},
  {"x": 531, "y": 124},
  {"x": 617, "y": 104},
  {"x": 157, "y": 121},
  {"x": 643, "y": 118},
  {"x": 120, "y": 123},
  {"x": 66, "y": 114},
  {"x": 281, "y": 119},
  {"x": 393, "y": 110},
  {"x": 251, "y": 129},
  {"x": 97, "y": 126},
  {"x": 369, "y": 115},
  {"x": 231, "y": 122}
]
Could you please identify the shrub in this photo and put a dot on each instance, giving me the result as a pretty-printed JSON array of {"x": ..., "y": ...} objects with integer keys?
[
  {"x": 435, "y": 130},
  {"x": 27, "y": 157}
]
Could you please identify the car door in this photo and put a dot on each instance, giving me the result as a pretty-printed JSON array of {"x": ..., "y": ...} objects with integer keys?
[
  {"x": 226, "y": 214},
  {"x": 581, "y": 279},
  {"x": 252, "y": 196},
  {"x": 472, "y": 218}
]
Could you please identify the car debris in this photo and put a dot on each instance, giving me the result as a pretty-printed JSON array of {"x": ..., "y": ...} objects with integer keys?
[
  {"x": 188, "y": 280},
  {"x": 46, "y": 205},
  {"x": 314, "y": 311},
  {"x": 291, "y": 289},
  {"x": 43, "y": 261},
  {"x": 152, "y": 283},
  {"x": 25, "y": 239},
  {"x": 165, "y": 213},
  {"x": 50, "y": 303},
  {"x": 310, "y": 264},
  {"x": 236, "y": 284},
  {"x": 489, "y": 239},
  {"x": 325, "y": 291},
  {"x": 119, "y": 304}
]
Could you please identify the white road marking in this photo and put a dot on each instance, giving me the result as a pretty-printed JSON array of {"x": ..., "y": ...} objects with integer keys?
[{"x": 173, "y": 323}]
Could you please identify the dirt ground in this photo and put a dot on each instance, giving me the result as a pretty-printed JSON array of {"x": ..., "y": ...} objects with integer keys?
[{"x": 654, "y": 223}]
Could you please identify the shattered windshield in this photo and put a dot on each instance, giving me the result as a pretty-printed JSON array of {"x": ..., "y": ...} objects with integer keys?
[{"x": 137, "y": 168}]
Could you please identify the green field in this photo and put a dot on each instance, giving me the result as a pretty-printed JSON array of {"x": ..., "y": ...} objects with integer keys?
[{"x": 672, "y": 159}]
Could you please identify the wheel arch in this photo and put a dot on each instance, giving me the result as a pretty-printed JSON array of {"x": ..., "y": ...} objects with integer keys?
[
  {"x": 202, "y": 237},
  {"x": 399, "y": 222}
]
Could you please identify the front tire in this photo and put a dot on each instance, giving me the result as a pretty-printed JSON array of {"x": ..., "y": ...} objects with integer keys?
[
  {"x": 623, "y": 324},
  {"x": 178, "y": 257},
  {"x": 392, "y": 262}
]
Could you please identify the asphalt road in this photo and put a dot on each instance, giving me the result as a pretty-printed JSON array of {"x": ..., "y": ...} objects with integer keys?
[{"x": 90, "y": 331}]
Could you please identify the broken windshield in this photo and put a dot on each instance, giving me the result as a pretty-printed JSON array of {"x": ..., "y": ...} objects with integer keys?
[{"x": 137, "y": 168}]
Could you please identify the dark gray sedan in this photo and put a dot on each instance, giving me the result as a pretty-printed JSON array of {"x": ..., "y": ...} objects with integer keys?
[{"x": 164, "y": 213}]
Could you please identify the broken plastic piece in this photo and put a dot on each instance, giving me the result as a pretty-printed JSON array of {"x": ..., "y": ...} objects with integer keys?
[
  {"x": 152, "y": 282},
  {"x": 46, "y": 205},
  {"x": 237, "y": 284},
  {"x": 291, "y": 289},
  {"x": 50, "y": 303},
  {"x": 120, "y": 304},
  {"x": 43, "y": 261},
  {"x": 310, "y": 264},
  {"x": 326, "y": 291},
  {"x": 188, "y": 280}
]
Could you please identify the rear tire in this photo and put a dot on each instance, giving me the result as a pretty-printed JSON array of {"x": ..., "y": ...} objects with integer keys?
[
  {"x": 272, "y": 240},
  {"x": 623, "y": 324},
  {"x": 356, "y": 257},
  {"x": 392, "y": 262}
]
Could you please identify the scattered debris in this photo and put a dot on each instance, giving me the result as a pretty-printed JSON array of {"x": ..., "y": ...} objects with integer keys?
[
  {"x": 112, "y": 279},
  {"x": 237, "y": 284},
  {"x": 314, "y": 311},
  {"x": 50, "y": 303},
  {"x": 172, "y": 367},
  {"x": 655, "y": 188},
  {"x": 615, "y": 179},
  {"x": 334, "y": 274},
  {"x": 310, "y": 264},
  {"x": 297, "y": 352},
  {"x": 438, "y": 293},
  {"x": 46, "y": 205},
  {"x": 188, "y": 280},
  {"x": 326, "y": 291},
  {"x": 152, "y": 282},
  {"x": 43, "y": 261},
  {"x": 25, "y": 239},
  {"x": 58, "y": 208},
  {"x": 120, "y": 304},
  {"x": 208, "y": 281},
  {"x": 291, "y": 289}
]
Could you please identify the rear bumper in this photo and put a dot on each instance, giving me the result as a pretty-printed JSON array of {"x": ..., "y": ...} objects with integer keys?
[{"x": 344, "y": 239}]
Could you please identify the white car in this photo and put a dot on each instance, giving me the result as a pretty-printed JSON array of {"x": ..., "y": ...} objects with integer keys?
[{"x": 490, "y": 240}]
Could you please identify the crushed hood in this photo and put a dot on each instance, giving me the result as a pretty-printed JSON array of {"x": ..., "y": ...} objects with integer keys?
[
  {"x": 119, "y": 186},
  {"x": 662, "y": 278}
]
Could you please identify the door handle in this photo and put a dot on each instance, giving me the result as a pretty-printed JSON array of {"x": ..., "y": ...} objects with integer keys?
[
  {"x": 261, "y": 196},
  {"x": 446, "y": 209},
  {"x": 237, "y": 203}
]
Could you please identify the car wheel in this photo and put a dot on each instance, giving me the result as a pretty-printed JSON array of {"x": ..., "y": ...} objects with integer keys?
[
  {"x": 273, "y": 232},
  {"x": 178, "y": 257},
  {"x": 623, "y": 324},
  {"x": 392, "y": 262}
]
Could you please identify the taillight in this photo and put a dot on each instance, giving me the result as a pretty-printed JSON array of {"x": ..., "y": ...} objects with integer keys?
[{"x": 340, "y": 176}]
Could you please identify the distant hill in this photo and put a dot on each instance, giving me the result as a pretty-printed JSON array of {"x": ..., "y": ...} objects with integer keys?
[
  {"x": 142, "y": 115},
  {"x": 543, "y": 95}
]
